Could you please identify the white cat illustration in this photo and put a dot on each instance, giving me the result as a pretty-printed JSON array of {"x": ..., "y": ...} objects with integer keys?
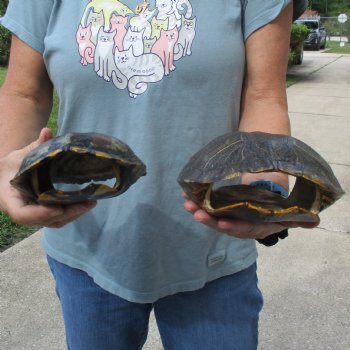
[
  {"x": 103, "y": 59},
  {"x": 132, "y": 49},
  {"x": 134, "y": 39},
  {"x": 139, "y": 70},
  {"x": 142, "y": 21},
  {"x": 184, "y": 43}
]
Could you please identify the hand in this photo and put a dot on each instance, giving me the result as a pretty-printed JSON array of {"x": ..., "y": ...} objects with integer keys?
[
  {"x": 19, "y": 209},
  {"x": 240, "y": 228}
]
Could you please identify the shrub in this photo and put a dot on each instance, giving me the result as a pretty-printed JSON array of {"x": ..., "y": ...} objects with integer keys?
[
  {"x": 5, "y": 37},
  {"x": 3, "y": 6},
  {"x": 298, "y": 35}
]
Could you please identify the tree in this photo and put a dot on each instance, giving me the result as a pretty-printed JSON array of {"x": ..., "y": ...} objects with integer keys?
[
  {"x": 3, "y": 6},
  {"x": 330, "y": 8}
]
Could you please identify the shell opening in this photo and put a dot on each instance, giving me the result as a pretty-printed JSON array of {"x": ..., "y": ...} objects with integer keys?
[
  {"x": 66, "y": 179},
  {"x": 250, "y": 203},
  {"x": 107, "y": 184}
]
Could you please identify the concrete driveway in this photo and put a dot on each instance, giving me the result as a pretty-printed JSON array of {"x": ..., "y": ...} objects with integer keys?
[{"x": 305, "y": 278}]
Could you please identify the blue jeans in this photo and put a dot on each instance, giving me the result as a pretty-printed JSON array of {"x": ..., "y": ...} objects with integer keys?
[{"x": 223, "y": 315}]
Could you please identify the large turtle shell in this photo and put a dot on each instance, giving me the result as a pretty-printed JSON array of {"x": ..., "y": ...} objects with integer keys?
[
  {"x": 209, "y": 175},
  {"x": 78, "y": 158}
]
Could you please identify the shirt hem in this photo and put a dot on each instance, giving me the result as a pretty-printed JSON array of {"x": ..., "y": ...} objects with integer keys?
[{"x": 149, "y": 297}]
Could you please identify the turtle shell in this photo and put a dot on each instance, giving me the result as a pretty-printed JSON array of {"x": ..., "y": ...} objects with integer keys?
[
  {"x": 78, "y": 158},
  {"x": 211, "y": 178}
]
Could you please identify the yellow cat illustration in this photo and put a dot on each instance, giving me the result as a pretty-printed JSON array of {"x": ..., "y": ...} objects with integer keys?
[{"x": 108, "y": 7}]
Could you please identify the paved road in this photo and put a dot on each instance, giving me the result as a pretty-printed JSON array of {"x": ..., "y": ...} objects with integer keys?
[{"x": 305, "y": 278}]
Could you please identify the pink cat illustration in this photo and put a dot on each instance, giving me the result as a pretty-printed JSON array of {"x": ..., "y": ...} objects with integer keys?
[
  {"x": 86, "y": 46},
  {"x": 118, "y": 23},
  {"x": 164, "y": 48}
]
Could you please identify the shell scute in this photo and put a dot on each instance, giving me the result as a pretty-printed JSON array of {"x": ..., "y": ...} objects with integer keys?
[
  {"x": 78, "y": 158},
  {"x": 229, "y": 156}
]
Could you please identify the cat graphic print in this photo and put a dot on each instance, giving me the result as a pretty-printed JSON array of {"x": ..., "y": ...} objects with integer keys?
[{"x": 130, "y": 49}]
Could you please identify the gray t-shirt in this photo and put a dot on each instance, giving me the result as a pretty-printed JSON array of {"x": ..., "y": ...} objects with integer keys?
[{"x": 165, "y": 81}]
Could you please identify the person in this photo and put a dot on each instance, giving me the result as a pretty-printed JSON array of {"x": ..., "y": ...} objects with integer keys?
[{"x": 165, "y": 79}]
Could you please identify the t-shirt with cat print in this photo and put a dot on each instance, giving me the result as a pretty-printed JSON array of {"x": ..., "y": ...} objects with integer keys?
[{"x": 165, "y": 77}]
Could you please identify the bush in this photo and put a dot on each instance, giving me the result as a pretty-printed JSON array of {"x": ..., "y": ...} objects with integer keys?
[
  {"x": 298, "y": 35},
  {"x": 3, "y": 6},
  {"x": 5, "y": 37},
  {"x": 5, "y": 41}
]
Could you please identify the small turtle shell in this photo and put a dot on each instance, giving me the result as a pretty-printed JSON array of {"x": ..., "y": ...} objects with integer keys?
[
  {"x": 229, "y": 156},
  {"x": 77, "y": 158}
]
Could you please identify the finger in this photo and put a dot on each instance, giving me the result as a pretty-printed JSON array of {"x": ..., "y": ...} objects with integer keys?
[
  {"x": 206, "y": 219},
  {"x": 303, "y": 224},
  {"x": 248, "y": 229},
  {"x": 45, "y": 135},
  {"x": 191, "y": 207},
  {"x": 61, "y": 223},
  {"x": 71, "y": 213},
  {"x": 74, "y": 210},
  {"x": 309, "y": 224},
  {"x": 34, "y": 214}
]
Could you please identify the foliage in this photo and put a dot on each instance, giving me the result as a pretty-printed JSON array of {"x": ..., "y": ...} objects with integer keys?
[
  {"x": 5, "y": 37},
  {"x": 3, "y": 6},
  {"x": 299, "y": 33},
  {"x": 5, "y": 41},
  {"x": 329, "y": 8}
]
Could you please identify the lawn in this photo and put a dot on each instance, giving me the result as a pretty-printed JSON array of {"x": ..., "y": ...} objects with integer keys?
[
  {"x": 334, "y": 47},
  {"x": 291, "y": 80},
  {"x": 10, "y": 232}
]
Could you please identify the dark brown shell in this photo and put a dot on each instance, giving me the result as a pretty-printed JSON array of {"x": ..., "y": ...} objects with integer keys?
[
  {"x": 78, "y": 158},
  {"x": 227, "y": 157}
]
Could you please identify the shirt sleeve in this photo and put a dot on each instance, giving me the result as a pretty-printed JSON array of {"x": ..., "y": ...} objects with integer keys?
[
  {"x": 29, "y": 19},
  {"x": 257, "y": 13}
]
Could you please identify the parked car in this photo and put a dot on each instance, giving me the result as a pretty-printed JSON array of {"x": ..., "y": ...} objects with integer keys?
[{"x": 317, "y": 36}]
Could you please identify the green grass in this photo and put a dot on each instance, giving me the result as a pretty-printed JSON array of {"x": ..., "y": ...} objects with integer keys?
[
  {"x": 291, "y": 80},
  {"x": 52, "y": 123},
  {"x": 333, "y": 47},
  {"x": 2, "y": 75},
  {"x": 10, "y": 232}
]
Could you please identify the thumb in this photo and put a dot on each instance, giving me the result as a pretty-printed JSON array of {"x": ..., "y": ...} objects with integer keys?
[
  {"x": 18, "y": 155},
  {"x": 45, "y": 135}
]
